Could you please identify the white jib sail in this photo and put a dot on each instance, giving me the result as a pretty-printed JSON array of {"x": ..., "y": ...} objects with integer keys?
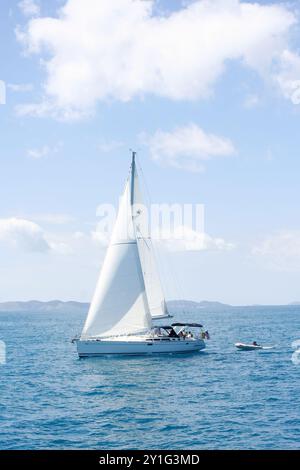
[
  {"x": 154, "y": 290},
  {"x": 156, "y": 299},
  {"x": 120, "y": 305}
]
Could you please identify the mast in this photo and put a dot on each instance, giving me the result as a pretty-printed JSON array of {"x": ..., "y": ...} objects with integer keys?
[{"x": 132, "y": 178}]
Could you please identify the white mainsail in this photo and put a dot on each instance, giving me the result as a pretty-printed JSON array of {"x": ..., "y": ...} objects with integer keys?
[{"x": 128, "y": 294}]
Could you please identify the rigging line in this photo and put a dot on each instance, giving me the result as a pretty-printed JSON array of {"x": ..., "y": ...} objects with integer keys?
[
  {"x": 155, "y": 252},
  {"x": 178, "y": 286},
  {"x": 173, "y": 279},
  {"x": 143, "y": 238},
  {"x": 148, "y": 194},
  {"x": 170, "y": 272}
]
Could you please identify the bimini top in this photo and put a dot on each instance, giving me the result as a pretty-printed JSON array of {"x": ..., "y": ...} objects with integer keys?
[
  {"x": 164, "y": 327},
  {"x": 192, "y": 325}
]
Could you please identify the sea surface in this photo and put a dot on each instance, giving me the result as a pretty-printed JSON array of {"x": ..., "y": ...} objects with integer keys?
[{"x": 218, "y": 399}]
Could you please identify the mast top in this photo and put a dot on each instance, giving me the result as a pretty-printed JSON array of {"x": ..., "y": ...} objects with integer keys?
[
  {"x": 132, "y": 177},
  {"x": 133, "y": 154}
]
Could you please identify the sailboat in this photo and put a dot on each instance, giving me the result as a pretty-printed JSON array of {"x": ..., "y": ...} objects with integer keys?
[{"x": 129, "y": 297}]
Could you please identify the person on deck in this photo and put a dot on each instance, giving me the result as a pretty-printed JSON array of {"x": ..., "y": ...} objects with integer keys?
[{"x": 173, "y": 334}]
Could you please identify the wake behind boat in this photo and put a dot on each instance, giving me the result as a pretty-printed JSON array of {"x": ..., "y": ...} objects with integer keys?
[{"x": 129, "y": 295}]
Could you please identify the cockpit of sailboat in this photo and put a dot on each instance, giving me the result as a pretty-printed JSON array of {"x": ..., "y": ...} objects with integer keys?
[{"x": 177, "y": 330}]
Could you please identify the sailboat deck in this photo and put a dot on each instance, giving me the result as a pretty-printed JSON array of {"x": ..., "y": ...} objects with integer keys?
[{"x": 141, "y": 338}]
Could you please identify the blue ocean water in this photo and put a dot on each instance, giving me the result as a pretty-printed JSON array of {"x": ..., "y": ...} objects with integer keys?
[{"x": 217, "y": 399}]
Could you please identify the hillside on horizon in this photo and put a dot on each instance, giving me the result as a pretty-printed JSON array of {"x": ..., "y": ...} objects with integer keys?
[
  {"x": 175, "y": 306},
  {"x": 64, "y": 306}
]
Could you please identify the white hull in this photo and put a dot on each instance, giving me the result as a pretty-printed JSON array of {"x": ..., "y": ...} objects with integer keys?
[{"x": 139, "y": 346}]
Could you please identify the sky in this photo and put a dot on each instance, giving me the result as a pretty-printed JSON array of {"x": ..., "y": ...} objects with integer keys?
[{"x": 208, "y": 94}]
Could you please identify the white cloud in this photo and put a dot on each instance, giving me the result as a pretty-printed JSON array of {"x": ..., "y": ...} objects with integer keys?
[
  {"x": 23, "y": 234},
  {"x": 47, "y": 108},
  {"x": 20, "y": 87},
  {"x": 29, "y": 8},
  {"x": 280, "y": 251},
  {"x": 187, "y": 147},
  {"x": 2, "y": 92},
  {"x": 100, "y": 237},
  {"x": 61, "y": 248},
  {"x": 77, "y": 243},
  {"x": 288, "y": 76},
  {"x": 28, "y": 236},
  {"x": 94, "y": 51},
  {"x": 184, "y": 238},
  {"x": 42, "y": 152},
  {"x": 38, "y": 153},
  {"x": 55, "y": 219}
]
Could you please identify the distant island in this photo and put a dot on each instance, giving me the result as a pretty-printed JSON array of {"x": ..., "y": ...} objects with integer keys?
[
  {"x": 174, "y": 306},
  {"x": 191, "y": 306},
  {"x": 39, "y": 306},
  {"x": 60, "y": 306}
]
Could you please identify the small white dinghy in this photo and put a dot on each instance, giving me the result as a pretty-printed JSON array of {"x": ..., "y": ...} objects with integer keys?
[{"x": 251, "y": 347}]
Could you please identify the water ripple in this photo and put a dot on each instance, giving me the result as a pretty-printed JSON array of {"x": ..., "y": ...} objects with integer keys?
[{"x": 221, "y": 399}]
